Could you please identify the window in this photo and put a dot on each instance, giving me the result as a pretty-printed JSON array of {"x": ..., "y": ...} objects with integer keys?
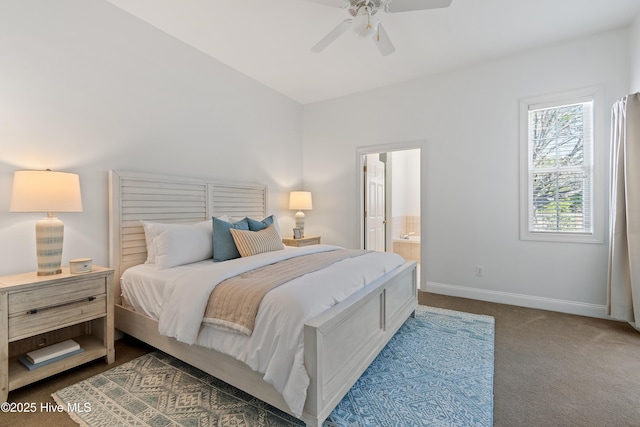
[{"x": 558, "y": 168}]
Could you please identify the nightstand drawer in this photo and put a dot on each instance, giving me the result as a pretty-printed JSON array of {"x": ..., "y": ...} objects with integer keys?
[
  {"x": 307, "y": 242},
  {"x": 44, "y": 296},
  {"x": 45, "y": 319}
]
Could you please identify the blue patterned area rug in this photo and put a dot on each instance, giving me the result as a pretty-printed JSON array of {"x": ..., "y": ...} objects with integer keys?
[{"x": 436, "y": 371}]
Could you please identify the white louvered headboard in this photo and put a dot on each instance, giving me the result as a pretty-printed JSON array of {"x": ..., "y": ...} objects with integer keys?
[{"x": 135, "y": 196}]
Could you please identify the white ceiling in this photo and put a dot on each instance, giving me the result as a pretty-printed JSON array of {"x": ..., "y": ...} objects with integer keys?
[{"x": 270, "y": 40}]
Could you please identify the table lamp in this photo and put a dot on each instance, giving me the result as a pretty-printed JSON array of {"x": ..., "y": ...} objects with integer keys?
[
  {"x": 47, "y": 191},
  {"x": 300, "y": 200}
]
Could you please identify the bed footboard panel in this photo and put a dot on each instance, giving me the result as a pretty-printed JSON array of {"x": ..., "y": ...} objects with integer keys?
[{"x": 342, "y": 342}]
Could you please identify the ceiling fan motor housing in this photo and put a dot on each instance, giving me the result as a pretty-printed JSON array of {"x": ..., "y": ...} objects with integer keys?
[{"x": 354, "y": 6}]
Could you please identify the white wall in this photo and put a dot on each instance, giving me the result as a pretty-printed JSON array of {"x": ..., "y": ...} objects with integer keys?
[
  {"x": 405, "y": 180},
  {"x": 469, "y": 119},
  {"x": 85, "y": 87},
  {"x": 634, "y": 54}
]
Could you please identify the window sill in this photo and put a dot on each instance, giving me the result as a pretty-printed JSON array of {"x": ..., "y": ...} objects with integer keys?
[{"x": 561, "y": 237}]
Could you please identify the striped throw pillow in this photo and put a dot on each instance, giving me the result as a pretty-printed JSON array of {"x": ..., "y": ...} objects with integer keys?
[{"x": 257, "y": 242}]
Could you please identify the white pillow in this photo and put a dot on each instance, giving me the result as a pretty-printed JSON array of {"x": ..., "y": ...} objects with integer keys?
[
  {"x": 170, "y": 245},
  {"x": 150, "y": 234}
]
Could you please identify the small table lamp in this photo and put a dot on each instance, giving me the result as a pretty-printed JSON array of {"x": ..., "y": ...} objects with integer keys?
[
  {"x": 47, "y": 191},
  {"x": 300, "y": 200}
]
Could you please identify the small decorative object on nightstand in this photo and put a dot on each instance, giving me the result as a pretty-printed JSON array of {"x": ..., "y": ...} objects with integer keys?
[
  {"x": 80, "y": 265},
  {"x": 303, "y": 241},
  {"x": 39, "y": 311}
]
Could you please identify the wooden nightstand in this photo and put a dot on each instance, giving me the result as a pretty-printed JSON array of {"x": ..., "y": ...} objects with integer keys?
[
  {"x": 37, "y": 311},
  {"x": 303, "y": 241}
]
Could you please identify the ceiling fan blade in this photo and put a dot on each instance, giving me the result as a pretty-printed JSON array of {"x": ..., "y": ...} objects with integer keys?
[
  {"x": 333, "y": 34},
  {"x": 384, "y": 42},
  {"x": 395, "y": 6}
]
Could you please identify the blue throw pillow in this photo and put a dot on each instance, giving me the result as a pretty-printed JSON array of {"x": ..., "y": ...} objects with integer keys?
[
  {"x": 224, "y": 248},
  {"x": 255, "y": 225}
]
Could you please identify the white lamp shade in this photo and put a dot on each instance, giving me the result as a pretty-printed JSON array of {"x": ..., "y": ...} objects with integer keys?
[
  {"x": 300, "y": 200},
  {"x": 45, "y": 191}
]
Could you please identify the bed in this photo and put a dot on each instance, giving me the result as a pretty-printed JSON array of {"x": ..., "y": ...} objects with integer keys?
[{"x": 338, "y": 343}]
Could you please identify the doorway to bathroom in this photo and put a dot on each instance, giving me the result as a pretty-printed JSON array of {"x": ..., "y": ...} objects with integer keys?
[{"x": 390, "y": 199}]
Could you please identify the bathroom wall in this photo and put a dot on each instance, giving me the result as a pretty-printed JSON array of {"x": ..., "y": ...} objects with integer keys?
[
  {"x": 405, "y": 200},
  {"x": 405, "y": 203}
]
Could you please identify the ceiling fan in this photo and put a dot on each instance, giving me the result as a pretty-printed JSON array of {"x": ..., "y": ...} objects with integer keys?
[{"x": 365, "y": 24}]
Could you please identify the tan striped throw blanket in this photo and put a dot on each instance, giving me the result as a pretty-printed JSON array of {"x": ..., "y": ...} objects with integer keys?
[{"x": 233, "y": 304}]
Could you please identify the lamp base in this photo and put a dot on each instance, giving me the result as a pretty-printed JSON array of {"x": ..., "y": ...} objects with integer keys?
[
  {"x": 300, "y": 222},
  {"x": 49, "y": 236},
  {"x": 49, "y": 273}
]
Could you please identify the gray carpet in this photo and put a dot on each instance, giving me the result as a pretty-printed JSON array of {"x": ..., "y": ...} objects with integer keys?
[{"x": 555, "y": 369}]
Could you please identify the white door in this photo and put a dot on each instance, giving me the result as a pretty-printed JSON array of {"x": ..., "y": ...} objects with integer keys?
[{"x": 374, "y": 202}]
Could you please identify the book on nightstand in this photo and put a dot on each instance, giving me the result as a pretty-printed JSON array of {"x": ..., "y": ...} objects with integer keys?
[
  {"x": 53, "y": 353},
  {"x": 31, "y": 366}
]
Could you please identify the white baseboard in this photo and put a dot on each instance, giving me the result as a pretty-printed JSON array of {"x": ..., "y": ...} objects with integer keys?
[{"x": 551, "y": 304}]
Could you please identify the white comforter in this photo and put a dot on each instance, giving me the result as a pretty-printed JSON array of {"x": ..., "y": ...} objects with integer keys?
[{"x": 276, "y": 346}]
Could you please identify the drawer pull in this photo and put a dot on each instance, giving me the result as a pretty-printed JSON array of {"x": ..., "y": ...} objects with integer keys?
[{"x": 37, "y": 310}]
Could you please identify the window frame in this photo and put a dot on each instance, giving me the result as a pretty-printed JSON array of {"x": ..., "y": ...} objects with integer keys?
[{"x": 597, "y": 184}]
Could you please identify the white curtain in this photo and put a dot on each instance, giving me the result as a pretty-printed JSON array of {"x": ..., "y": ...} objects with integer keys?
[{"x": 624, "y": 252}]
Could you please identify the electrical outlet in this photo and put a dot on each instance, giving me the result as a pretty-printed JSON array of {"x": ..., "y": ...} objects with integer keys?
[{"x": 480, "y": 270}]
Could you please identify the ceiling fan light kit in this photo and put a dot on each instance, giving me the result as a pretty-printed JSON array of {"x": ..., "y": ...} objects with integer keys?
[{"x": 365, "y": 25}]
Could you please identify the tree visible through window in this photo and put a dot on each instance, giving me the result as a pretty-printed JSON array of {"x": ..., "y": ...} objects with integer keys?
[{"x": 560, "y": 170}]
